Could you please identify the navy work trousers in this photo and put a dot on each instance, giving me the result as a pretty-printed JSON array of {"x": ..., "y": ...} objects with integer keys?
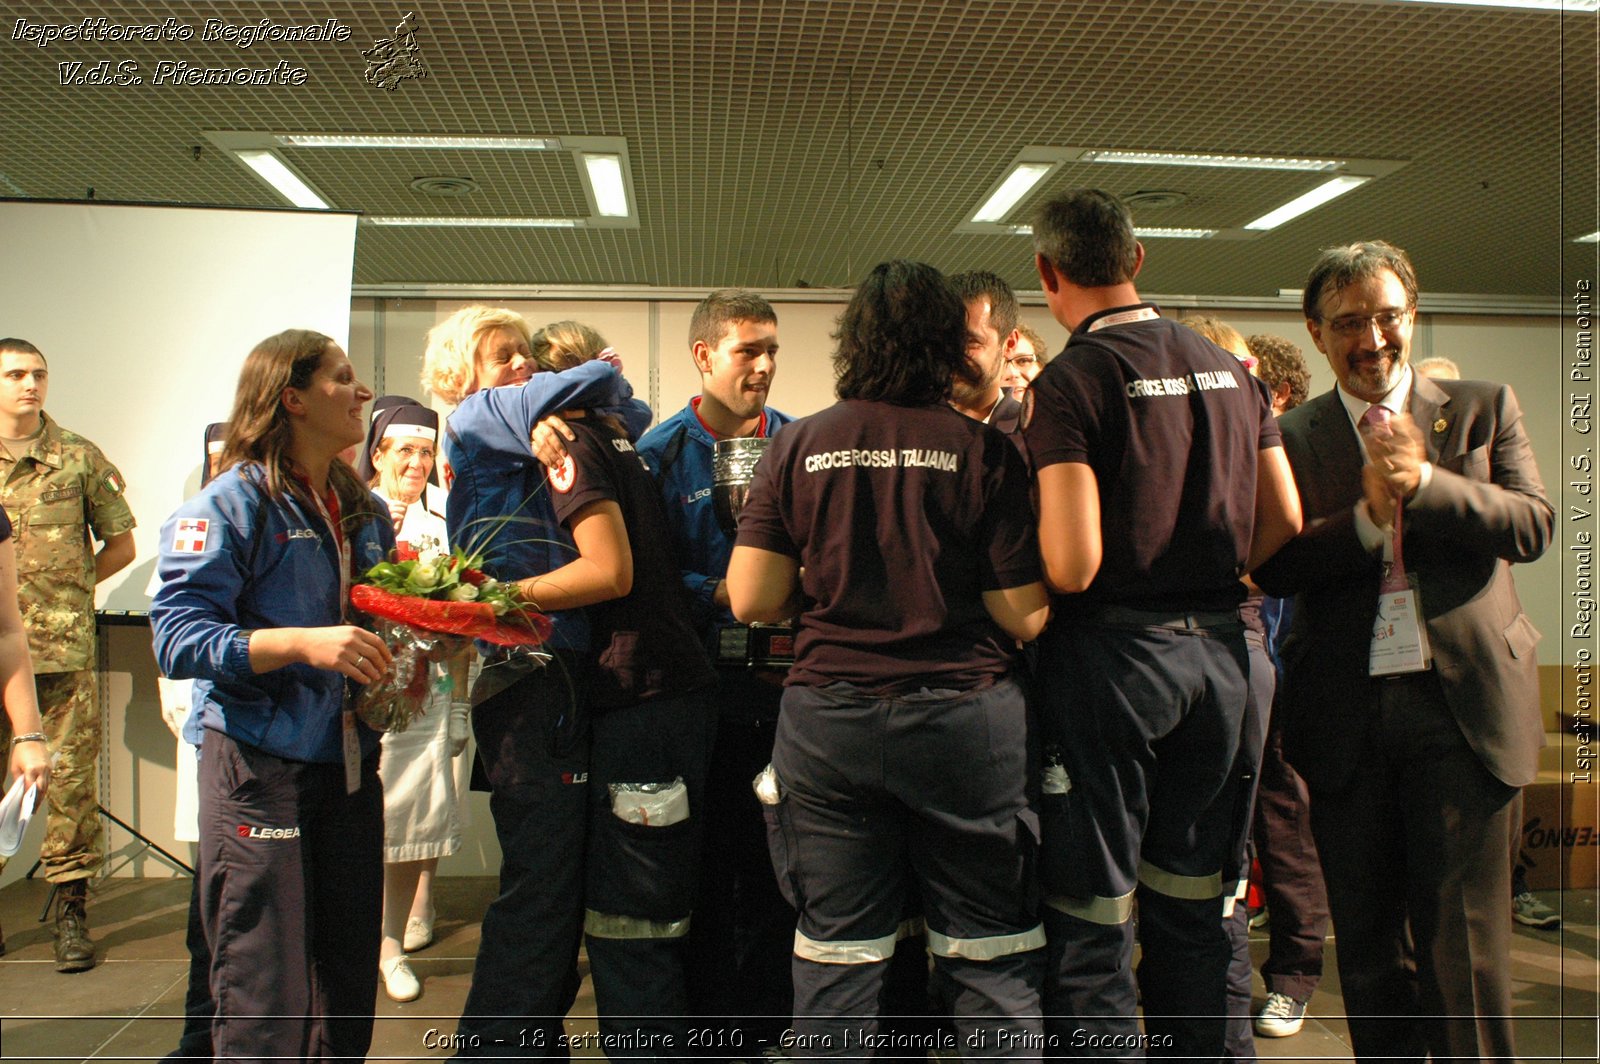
[
  {"x": 880, "y": 793},
  {"x": 1145, "y": 719},
  {"x": 641, "y": 873},
  {"x": 535, "y": 752},
  {"x": 743, "y": 932},
  {"x": 570, "y": 864}
]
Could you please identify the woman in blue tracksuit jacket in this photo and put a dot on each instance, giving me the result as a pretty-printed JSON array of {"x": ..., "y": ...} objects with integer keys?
[{"x": 254, "y": 606}]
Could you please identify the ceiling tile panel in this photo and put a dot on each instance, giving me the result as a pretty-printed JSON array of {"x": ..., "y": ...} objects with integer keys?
[{"x": 777, "y": 141}]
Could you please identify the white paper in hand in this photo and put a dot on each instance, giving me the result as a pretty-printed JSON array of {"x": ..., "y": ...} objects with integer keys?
[{"x": 15, "y": 811}]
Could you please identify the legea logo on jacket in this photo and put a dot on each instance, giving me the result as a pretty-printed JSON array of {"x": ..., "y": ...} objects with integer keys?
[{"x": 255, "y": 831}]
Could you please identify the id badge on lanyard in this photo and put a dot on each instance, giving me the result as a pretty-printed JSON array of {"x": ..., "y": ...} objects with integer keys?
[
  {"x": 350, "y": 740},
  {"x": 1399, "y": 634}
]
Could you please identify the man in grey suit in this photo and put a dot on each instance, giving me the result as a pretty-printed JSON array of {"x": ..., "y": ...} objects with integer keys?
[{"x": 1412, "y": 774}]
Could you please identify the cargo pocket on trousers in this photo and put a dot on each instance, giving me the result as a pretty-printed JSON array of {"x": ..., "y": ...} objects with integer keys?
[
  {"x": 781, "y": 846},
  {"x": 642, "y": 869}
]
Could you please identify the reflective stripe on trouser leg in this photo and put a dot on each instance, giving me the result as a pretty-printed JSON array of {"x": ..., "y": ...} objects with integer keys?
[
  {"x": 988, "y": 948},
  {"x": 854, "y": 951},
  {"x": 1108, "y": 912},
  {"x": 866, "y": 950},
  {"x": 1190, "y": 888},
  {"x": 615, "y": 925}
]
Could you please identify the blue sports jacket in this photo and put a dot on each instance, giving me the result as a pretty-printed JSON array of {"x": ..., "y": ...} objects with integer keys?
[
  {"x": 499, "y": 502},
  {"x": 699, "y": 544},
  {"x": 233, "y": 560}
]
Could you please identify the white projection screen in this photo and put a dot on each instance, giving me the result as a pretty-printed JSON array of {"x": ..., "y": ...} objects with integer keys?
[{"x": 145, "y": 314}]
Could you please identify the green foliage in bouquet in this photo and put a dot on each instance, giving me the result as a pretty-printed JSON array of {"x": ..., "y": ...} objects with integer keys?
[{"x": 452, "y": 577}]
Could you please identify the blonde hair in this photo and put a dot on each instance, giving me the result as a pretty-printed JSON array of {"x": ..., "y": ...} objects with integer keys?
[
  {"x": 449, "y": 364},
  {"x": 564, "y": 344},
  {"x": 1218, "y": 332}
]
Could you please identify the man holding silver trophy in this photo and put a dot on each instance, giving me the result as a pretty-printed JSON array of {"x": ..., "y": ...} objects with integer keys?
[{"x": 703, "y": 458}]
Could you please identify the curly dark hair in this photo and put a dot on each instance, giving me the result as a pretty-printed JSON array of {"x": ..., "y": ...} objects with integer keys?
[
  {"x": 902, "y": 337},
  {"x": 1280, "y": 362}
]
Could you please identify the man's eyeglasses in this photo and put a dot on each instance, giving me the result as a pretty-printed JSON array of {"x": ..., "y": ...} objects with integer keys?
[
  {"x": 1354, "y": 324},
  {"x": 1023, "y": 361}
]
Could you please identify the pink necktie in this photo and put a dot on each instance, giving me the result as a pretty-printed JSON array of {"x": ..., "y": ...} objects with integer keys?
[{"x": 1376, "y": 421}]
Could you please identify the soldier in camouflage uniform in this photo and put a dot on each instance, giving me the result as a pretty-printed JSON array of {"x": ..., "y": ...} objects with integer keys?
[{"x": 58, "y": 489}]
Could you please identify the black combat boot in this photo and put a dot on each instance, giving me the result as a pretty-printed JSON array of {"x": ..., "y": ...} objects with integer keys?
[{"x": 74, "y": 947}]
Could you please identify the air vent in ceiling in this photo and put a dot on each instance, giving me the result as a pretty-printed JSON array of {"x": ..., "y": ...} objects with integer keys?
[
  {"x": 1155, "y": 198},
  {"x": 444, "y": 186}
]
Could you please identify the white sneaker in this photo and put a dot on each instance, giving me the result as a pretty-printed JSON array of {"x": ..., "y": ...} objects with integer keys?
[
  {"x": 399, "y": 981},
  {"x": 1526, "y": 909},
  {"x": 419, "y": 934},
  {"x": 1280, "y": 1017}
]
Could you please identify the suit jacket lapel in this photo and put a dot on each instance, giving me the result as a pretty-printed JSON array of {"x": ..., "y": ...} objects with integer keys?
[
  {"x": 1427, "y": 402},
  {"x": 1338, "y": 453}
]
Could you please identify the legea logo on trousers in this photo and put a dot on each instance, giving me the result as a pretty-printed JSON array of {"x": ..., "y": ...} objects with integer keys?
[{"x": 253, "y": 831}]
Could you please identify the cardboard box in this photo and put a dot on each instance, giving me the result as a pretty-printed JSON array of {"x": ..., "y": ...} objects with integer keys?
[{"x": 1561, "y": 832}]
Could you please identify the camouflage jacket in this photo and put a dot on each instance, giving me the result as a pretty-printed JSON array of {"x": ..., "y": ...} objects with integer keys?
[{"x": 56, "y": 494}]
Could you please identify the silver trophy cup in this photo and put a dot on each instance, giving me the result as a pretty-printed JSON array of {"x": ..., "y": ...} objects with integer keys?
[{"x": 733, "y": 466}]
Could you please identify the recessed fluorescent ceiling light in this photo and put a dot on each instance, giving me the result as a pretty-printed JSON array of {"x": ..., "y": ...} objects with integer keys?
[
  {"x": 270, "y": 169},
  {"x": 336, "y": 140},
  {"x": 1017, "y": 184},
  {"x": 1591, "y": 238},
  {"x": 1174, "y": 234},
  {"x": 1310, "y": 201},
  {"x": 1237, "y": 162},
  {"x": 1157, "y": 232},
  {"x": 1532, "y": 5},
  {"x": 605, "y": 177},
  {"x": 445, "y": 222}
]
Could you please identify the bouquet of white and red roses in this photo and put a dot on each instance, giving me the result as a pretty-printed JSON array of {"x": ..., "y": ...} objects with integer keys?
[{"x": 428, "y": 606}]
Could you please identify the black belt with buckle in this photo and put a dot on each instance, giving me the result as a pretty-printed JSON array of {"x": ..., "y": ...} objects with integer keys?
[{"x": 759, "y": 646}]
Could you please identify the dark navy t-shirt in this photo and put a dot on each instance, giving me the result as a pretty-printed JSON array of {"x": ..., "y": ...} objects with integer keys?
[
  {"x": 901, "y": 517},
  {"x": 1171, "y": 425},
  {"x": 644, "y": 645}
]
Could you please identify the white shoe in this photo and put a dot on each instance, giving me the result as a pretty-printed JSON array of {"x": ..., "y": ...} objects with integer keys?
[
  {"x": 399, "y": 981},
  {"x": 1280, "y": 1017},
  {"x": 1526, "y": 909},
  {"x": 419, "y": 934}
]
